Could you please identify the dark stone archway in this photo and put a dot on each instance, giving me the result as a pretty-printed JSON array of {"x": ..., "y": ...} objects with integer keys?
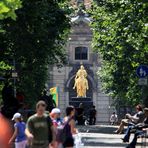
[{"x": 73, "y": 100}]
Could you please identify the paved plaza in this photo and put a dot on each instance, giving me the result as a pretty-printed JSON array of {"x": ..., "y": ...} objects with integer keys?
[{"x": 102, "y": 136}]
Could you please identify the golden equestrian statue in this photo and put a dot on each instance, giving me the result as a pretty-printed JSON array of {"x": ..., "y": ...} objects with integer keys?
[{"x": 81, "y": 82}]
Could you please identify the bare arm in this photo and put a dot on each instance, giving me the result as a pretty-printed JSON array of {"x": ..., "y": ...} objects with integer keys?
[
  {"x": 134, "y": 118},
  {"x": 53, "y": 144},
  {"x": 73, "y": 127},
  {"x": 28, "y": 134},
  {"x": 53, "y": 133},
  {"x": 14, "y": 135}
]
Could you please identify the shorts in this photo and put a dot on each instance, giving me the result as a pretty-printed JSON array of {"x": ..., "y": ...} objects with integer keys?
[{"x": 69, "y": 142}]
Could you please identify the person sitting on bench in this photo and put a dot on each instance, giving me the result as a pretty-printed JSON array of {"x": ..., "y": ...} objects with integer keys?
[
  {"x": 139, "y": 130},
  {"x": 132, "y": 120}
]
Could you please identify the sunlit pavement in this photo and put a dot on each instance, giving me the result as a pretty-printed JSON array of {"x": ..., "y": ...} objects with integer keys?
[{"x": 102, "y": 136}]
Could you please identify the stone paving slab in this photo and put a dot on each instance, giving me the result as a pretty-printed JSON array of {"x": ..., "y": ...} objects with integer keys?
[{"x": 102, "y": 136}]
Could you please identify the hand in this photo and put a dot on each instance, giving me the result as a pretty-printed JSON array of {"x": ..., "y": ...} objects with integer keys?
[
  {"x": 30, "y": 136},
  {"x": 10, "y": 141},
  {"x": 52, "y": 144}
]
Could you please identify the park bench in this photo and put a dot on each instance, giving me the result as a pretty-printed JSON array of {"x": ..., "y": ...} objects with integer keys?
[{"x": 144, "y": 138}]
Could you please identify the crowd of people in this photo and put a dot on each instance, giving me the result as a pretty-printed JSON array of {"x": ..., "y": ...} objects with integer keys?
[
  {"x": 43, "y": 129},
  {"x": 49, "y": 130}
]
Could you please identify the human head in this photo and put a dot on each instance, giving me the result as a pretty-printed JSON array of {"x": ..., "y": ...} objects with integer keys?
[
  {"x": 139, "y": 107},
  {"x": 55, "y": 113},
  {"x": 70, "y": 111},
  {"x": 146, "y": 111},
  {"x": 113, "y": 112},
  {"x": 40, "y": 107},
  {"x": 17, "y": 117}
]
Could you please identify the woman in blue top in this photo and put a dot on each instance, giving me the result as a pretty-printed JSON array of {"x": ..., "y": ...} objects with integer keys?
[{"x": 19, "y": 132}]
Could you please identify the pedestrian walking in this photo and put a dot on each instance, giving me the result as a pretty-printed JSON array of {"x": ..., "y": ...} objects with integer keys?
[
  {"x": 39, "y": 128},
  {"x": 19, "y": 132},
  {"x": 70, "y": 128},
  {"x": 57, "y": 123}
]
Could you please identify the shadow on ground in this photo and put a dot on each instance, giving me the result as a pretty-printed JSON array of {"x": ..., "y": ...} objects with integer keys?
[
  {"x": 99, "y": 142},
  {"x": 97, "y": 129},
  {"x": 104, "y": 136}
]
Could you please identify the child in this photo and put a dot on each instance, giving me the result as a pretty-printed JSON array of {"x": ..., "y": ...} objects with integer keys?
[{"x": 19, "y": 132}]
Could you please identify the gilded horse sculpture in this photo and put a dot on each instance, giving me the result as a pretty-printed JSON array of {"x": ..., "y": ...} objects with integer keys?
[{"x": 81, "y": 83}]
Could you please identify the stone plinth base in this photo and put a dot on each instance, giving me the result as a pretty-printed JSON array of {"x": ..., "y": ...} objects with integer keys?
[
  {"x": 86, "y": 101},
  {"x": 83, "y": 99}
]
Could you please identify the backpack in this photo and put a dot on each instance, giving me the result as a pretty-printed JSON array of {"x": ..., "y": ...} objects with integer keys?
[{"x": 63, "y": 132}]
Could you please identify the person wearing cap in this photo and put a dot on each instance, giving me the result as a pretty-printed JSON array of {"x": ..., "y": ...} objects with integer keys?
[
  {"x": 55, "y": 116},
  {"x": 57, "y": 122},
  {"x": 39, "y": 129},
  {"x": 19, "y": 132},
  {"x": 139, "y": 130}
]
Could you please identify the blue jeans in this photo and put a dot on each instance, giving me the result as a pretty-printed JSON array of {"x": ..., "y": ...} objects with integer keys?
[
  {"x": 134, "y": 141},
  {"x": 128, "y": 132}
]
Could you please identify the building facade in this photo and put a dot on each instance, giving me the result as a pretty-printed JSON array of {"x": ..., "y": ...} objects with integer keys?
[{"x": 79, "y": 52}]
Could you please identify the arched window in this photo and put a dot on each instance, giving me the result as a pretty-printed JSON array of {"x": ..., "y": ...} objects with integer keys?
[{"x": 81, "y": 53}]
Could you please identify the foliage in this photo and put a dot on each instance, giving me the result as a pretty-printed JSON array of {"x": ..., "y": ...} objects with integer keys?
[
  {"x": 120, "y": 34},
  {"x": 35, "y": 40},
  {"x": 8, "y": 7}
]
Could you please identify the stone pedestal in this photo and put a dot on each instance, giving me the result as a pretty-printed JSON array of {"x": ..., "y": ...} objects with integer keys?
[{"x": 86, "y": 101}]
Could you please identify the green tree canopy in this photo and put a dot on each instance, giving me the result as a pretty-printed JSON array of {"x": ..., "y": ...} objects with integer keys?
[
  {"x": 120, "y": 35},
  {"x": 8, "y": 7},
  {"x": 35, "y": 40}
]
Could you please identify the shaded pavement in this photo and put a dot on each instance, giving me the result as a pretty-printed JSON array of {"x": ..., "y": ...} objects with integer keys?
[{"x": 102, "y": 136}]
